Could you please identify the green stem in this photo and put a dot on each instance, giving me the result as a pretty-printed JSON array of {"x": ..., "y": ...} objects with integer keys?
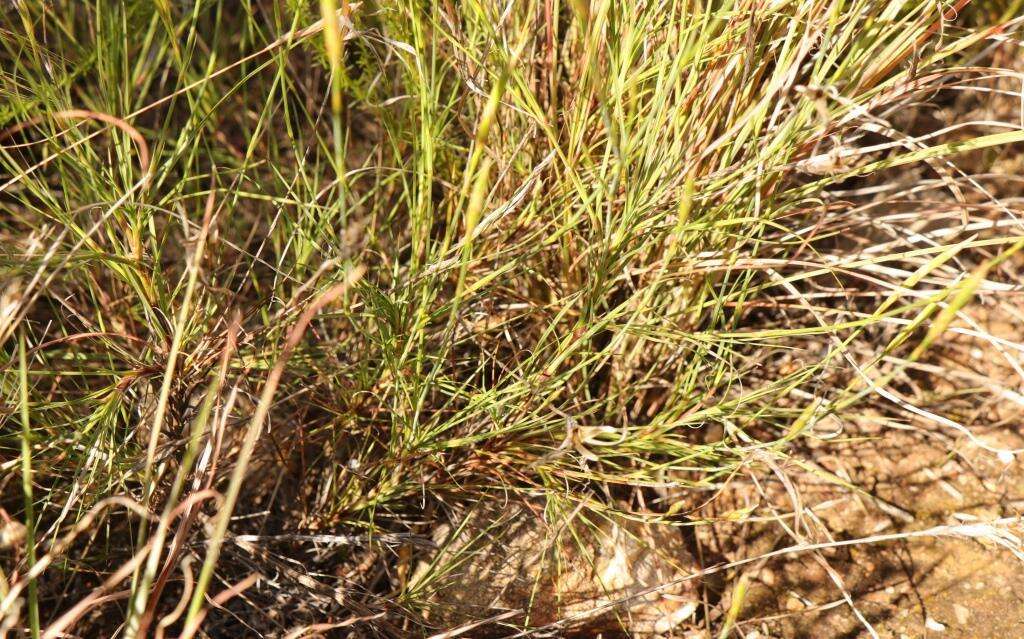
[{"x": 26, "y": 482}]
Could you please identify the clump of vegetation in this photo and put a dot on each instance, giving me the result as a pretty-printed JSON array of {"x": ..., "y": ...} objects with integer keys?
[{"x": 287, "y": 286}]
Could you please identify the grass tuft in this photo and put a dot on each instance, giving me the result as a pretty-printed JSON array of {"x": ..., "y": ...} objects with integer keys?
[{"x": 296, "y": 285}]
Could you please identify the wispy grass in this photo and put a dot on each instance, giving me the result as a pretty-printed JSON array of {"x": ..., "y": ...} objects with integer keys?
[{"x": 599, "y": 253}]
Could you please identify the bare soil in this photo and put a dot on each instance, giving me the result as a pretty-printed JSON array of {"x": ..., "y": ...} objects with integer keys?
[{"x": 916, "y": 476}]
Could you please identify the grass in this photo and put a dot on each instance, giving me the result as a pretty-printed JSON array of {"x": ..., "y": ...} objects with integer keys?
[{"x": 280, "y": 269}]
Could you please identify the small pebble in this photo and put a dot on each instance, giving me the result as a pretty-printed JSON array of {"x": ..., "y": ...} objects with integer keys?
[
  {"x": 793, "y": 604},
  {"x": 933, "y": 625},
  {"x": 963, "y": 615}
]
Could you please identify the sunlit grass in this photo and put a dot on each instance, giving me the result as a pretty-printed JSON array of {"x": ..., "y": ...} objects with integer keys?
[{"x": 346, "y": 278}]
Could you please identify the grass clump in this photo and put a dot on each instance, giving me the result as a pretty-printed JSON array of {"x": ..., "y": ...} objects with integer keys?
[{"x": 296, "y": 283}]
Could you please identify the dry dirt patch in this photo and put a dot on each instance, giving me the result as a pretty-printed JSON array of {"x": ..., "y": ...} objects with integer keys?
[{"x": 915, "y": 476}]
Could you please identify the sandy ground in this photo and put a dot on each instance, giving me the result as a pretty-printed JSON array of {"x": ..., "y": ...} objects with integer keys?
[
  {"x": 916, "y": 588},
  {"x": 933, "y": 476}
]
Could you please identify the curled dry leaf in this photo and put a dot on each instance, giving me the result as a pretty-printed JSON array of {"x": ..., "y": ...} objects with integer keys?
[{"x": 589, "y": 574}]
